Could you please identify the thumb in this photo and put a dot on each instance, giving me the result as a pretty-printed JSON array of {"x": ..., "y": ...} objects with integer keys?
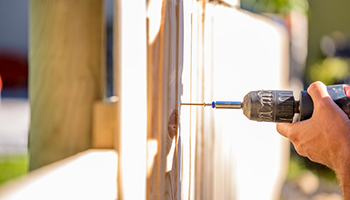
[
  {"x": 318, "y": 91},
  {"x": 323, "y": 103}
]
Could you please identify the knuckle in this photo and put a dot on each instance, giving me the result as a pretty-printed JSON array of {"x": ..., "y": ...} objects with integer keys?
[
  {"x": 300, "y": 152},
  {"x": 313, "y": 157},
  {"x": 294, "y": 139}
]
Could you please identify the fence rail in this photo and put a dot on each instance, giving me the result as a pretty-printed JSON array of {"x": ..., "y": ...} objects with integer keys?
[{"x": 91, "y": 174}]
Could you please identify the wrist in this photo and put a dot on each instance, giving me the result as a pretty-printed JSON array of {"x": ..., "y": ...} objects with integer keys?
[
  {"x": 344, "y": 181},
  {"x": 342, "y": 170}
]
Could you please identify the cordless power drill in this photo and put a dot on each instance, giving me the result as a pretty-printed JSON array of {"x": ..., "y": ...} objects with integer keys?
[{"x": 279, "y": 105}]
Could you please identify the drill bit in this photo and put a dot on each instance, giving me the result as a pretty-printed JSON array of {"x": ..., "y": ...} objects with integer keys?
[
  {"x": 218, "y": 104},
  {"x": 196, "y": 104}
]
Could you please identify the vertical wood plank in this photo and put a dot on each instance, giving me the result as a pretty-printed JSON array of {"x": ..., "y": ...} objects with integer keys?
[
  {"x": 193, "y": 97},
  {"x": 130, "y": 67},
  {"x": 187, "y": 182},
  {"x": 155, "y": 93},
  {"x": 198, "y": 71},
  {"x": 164, "y": 65},
  {"x": 192, "y": 124},
  {"x": 66, "y": 76},
  {"x": 208, "y": 155},
  {"x": 179, "y": 89}
]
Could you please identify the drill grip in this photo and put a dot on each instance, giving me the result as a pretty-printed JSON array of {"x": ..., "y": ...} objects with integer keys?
[{"x": 337, "y": 92}]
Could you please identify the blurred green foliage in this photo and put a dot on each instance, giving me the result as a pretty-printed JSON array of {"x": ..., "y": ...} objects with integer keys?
[
  {"x": 275, "y": 6},
  {"x": 298, "y": 164},
  {"x": 12, "y": 166},
  {"x": 330, "y": 70}
]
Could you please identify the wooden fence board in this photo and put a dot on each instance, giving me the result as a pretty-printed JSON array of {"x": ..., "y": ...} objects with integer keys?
[
  {"x": 164, "y": 61},
  {"x": 130, "y": 81},
  {"x": 66, "y": 76},
  {"x": 250, "y": 52},
  {"x": 88, "y": 175}
]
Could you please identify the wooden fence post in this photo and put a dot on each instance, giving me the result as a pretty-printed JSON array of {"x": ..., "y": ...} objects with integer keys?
[
  {"x": 129, "y": 60},
  {"x": 66, "y": 76}
]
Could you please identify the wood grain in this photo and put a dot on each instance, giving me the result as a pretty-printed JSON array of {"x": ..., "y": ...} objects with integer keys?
[
  {"x": 66, "y": 76},
  {"x": 164, "y": 65},
  {"x": 207, "y": 147},
  {"x": 187, "y": 182}
]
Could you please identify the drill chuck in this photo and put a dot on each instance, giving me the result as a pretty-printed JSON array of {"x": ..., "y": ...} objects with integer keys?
[
  {"x": 264, "y": 105},
  {"x": 270, "y": 106}
]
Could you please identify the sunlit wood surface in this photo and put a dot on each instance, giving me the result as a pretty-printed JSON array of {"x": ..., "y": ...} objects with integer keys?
[
  {"x": 130, "y": 62},
  {"x": 88, "y": 175},
  {"x": 164, "y": 69},
  {"x": 250, "y": 52},
  {"x": 66, "y": 60}
]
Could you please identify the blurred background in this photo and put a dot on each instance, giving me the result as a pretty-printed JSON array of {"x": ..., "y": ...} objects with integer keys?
[
  {"x": 14, "y": 106},
  {"x": 319, "y": 50}
]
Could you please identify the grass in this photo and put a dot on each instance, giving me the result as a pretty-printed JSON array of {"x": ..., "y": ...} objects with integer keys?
[{"x": 12, "y": 166}]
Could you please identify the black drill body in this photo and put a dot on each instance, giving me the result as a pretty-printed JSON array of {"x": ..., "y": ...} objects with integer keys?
[
  {"x": 280, "y": 105},
  {"x": 270, "y": 106}
]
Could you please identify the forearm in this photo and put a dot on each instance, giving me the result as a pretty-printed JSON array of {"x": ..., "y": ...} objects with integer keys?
[
  {"x": 342, "y": 170},
  {"x": 344, "y": 180}
]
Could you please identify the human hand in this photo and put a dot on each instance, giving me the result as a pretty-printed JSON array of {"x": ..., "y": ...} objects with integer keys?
[{"x": 325, "y": 137}]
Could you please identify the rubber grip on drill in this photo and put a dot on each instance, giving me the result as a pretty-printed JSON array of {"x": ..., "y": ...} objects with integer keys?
[
  {"x": 306, "y": 106},
  {"x": 336, "y": 92}
]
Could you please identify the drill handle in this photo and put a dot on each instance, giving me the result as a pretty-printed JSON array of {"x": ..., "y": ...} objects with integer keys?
[{"x": 339, "y": 93}]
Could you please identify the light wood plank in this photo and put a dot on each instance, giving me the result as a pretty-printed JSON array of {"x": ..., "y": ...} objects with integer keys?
[
  {"x": 164, "y": 61},
  {"x": 88, "y": 175},
  {"x": 187, "y": 183},
  {"x": 66, "y": 76},
  {"x": 130, "y": 79},
  {"x": 198, "y": 92},
  {"x": 230, "y": 3},
  {"x": 192, "y": 80},
  {"x": 250, "y": 52},
  {"x": 208, "y": 137}
]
